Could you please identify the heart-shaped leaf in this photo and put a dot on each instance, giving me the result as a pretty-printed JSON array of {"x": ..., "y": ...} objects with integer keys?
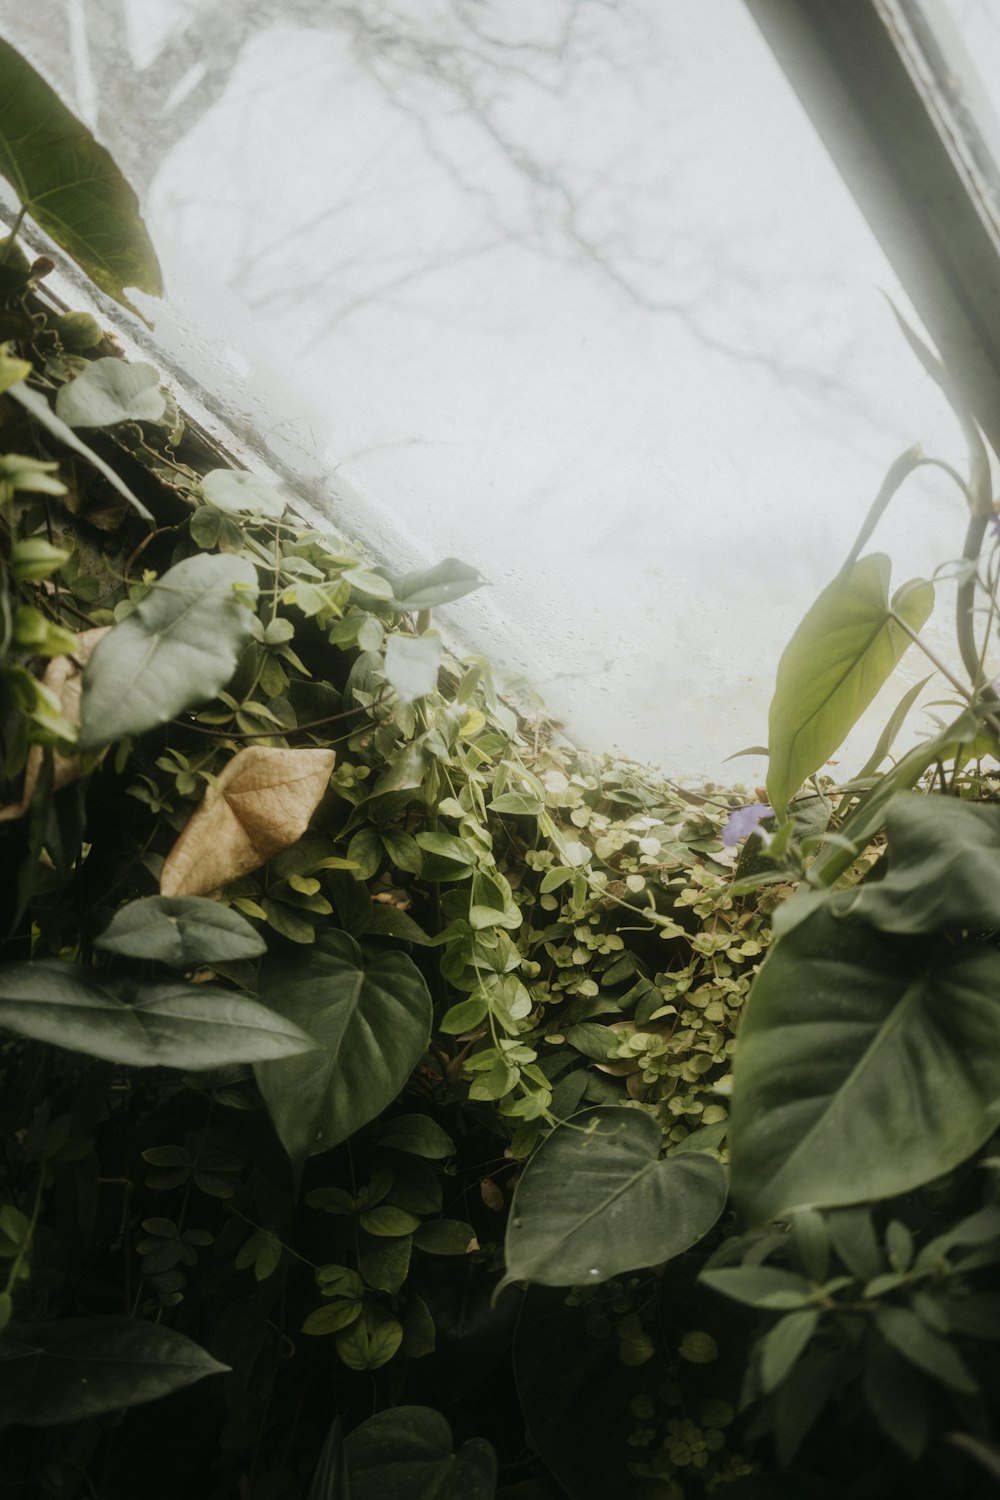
[
  {"x": 426, "y": 588},
  {"x": 943, "y": 868},
  {"x": 182, "y": 931},
  {"x": 840, "y": 655},
  {"x": 174, "y": 1025},
  {"x": 239, "y": 491},
  {"x": 406, "y": 1454},
  {"x": 77, "y": 1368},
  {"x": 596, "y": 1200},
  {"x": 69, "y": 184},
  {"x": 260, "y": 803},
  {"x": 109, "y": 391},
  {"x": 371, "y": 1022},
  {"x": 411, "y": 664},
  {"x": 37, "y": 407},
  {"x": 866, "y": 1065},
  {"x": 178, "y": 648}
]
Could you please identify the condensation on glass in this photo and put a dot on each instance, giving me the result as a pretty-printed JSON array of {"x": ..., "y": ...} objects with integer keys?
[{"x": 569, "y": 291}]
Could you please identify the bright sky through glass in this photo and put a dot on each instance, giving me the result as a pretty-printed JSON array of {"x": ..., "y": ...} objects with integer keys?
[{"x": 569, "y": 291}]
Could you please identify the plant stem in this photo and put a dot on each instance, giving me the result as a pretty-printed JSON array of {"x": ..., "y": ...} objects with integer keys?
[{"x": 5, "y": 254}]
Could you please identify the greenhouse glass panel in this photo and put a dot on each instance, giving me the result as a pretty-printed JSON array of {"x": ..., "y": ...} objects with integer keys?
[{"x": 570, "y": 292}]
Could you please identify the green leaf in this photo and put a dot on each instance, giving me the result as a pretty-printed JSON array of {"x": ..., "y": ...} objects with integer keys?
[
  {"x": 411, "y": 665},
  {"x": 942, "y": 869},
  {"x": 384, "y": 1263},
  {"x": 182, "y": 931},
  {"x": 922, "y": 1347},
  {"x": 69, "y": 184},
  {"x": 77, "y": 1368},
  {"x": 782, "y": 1345},
  {"x": 37, "y": 407},
  {"x": 417, "y": 1134},
  {"x": 332, "y": 1317},
  {"x": 388, "y": 1222},
  {"x": 897, "y": 1398},
  {"x": 109, "y": 391},
  {"x": 403, "y": 849},
  {"x": 760, "y": 1286},
  {"x": 521, "y": 805},
  {"x": 371, "y": 1022},
  {"x": 445, "y": 1237},
  {"x": 426, "y": 588},
  {"x": 596, "y": 1200},
  {"x": 895, "y": 723},
  {"x": 178, "y": 648},
  {"x": 842, "y": 652},
  {"x": 174, "y": 1025},
  {"x": 237, "y": 490},
  {"x": 406, "y": 1454},
  {"x": 391, "y": 921},
  {"x": 866, "y": 1065},
  {"x": 369, "y": 1344},
  {"x": 446, "y": 857}
]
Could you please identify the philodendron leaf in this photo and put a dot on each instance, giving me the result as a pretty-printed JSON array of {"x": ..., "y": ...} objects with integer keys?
[
  {"x": 406, "y": 1454},
  {"x": 37, "y": 407},
  {"x": 840, "y": 655},
  {"x": 177, "y": 649},
  {"x": 428, "y": 587},
  {"x": 70, "y": 185},
  {"x": 943, "y": 868},
  {"x": 259, "y": 804},
  {"x": 371, "y": 1022},
  {"x": 411, "y": 665},
  {"x": 596, "y": 1200},
  {"x": 173, "y": 1025},
  {"x": 182, "y": 931},
  {"x": 77, "y": 1368},
  {"x": 867, "y": 1064},
  {"x": 240, "y": 491},
  {"x": 109, "y": 391}
]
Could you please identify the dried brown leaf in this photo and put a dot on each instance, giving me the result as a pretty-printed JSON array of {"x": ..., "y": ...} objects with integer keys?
[
  {"x": 260, "y": 803},
  {"x": 64, "y": 677}
]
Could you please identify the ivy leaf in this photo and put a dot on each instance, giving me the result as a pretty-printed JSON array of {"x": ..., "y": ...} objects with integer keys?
[
  {"x": 37, "y": 407},
  {"x": 260, "y": 803},
  {"x": 174, "y": 1025},
  {"x": 110, "y": 391},
  {"x": 943, "y": 868},
  {"x": 842, "y": 652},
  {"x": 866, "y": 1065},
  {"x": 411, "y": 665},
  {"x": 406, "y": 1454},
  {"x": 239, "y": 491},
  {"x": 371, "y": 1022},
  {"x": 70, "y": 185},
  {"x": 77, "y": 1368},
  {"x": 596, "y": 1200},
  {"x": 426, "y": 588},
  {"x": 182, "y": 931},
  {"x": 178, "y": 648}
]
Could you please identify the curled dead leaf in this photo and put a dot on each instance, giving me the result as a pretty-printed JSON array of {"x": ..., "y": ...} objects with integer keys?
[
  {"x": 260, "y": 804},
  {"x": 64, "y": 677},
  {"x": 491, "y": 1194}
]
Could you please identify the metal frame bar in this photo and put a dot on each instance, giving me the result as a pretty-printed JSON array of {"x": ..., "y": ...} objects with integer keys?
[{"x": 847, "y": 61}]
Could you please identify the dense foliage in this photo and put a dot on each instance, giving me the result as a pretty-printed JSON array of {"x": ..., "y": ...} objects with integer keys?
[{"x": 367, "y": 1049}]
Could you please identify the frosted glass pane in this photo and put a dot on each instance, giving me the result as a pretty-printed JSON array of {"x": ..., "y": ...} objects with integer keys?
[{"x": 569, "y": 291}]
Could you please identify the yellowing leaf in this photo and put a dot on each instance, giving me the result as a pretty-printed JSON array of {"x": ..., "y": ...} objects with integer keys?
[
  {"x": 64, "y": 678},
  {"x": 261, "y": 803}
]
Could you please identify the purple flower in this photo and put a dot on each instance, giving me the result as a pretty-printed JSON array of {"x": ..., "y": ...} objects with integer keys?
[{"x": 743, "y": 821}]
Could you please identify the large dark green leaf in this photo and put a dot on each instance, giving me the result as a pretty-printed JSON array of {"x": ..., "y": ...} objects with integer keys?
[
  {"x": 597, "y": 1200},
  {"x": 174, "y": 1025},
  {"x": 182, "y": 931},
  {"x": 371, "y": 1022},
  {"x": 69, "y": 184},
  {"x": 943, "y": 871},
  {"x": 867, "y": 1064},
  {"x": 78, "y": 1368},
  {"x": 178, "y": 649},
  {"x": 840, "y": 655},
  {"x": 406, "y": 1454}
]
